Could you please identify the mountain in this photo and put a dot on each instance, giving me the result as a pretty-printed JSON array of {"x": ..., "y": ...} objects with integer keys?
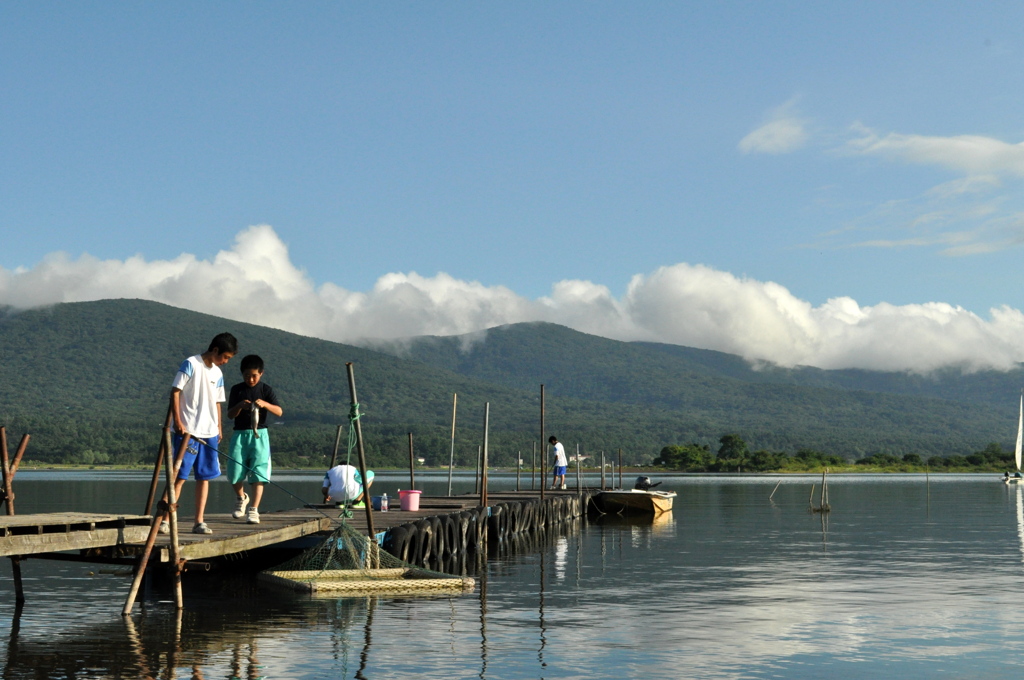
[{"x": 90, "y": 381}]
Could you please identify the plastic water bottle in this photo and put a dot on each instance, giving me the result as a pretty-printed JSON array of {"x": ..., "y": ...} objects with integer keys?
[{"x": 384, "y": 503}]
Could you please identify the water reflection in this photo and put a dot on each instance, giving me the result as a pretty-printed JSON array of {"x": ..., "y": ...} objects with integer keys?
[{"x": 902, "y": 579}]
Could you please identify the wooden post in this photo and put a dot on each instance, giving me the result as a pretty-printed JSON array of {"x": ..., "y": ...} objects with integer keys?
[
  {"x": 160, "y": 455},
  {"x": 483, "y": 460},
  {"x": 620, "y": 468},
  {"x": 543, "y": 447},
  {"x": 412, "y": 465},
  {"x": 172, "y": 514},
  {"x": 578, "y": 463},
  {"x": 533, "y": 468},
  {"x": 519, "y": 467},
  {"x": 337, "y": 443},
  {"x": 362, "y": 456},
  {"x": 476, "y": 473},
  {"x": 451, "y": 459},
  {"x": 9, "y": 471},
  {"x": 165, "y": 507}
]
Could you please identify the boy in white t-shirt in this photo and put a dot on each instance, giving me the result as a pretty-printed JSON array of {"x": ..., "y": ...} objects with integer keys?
[
  {"x": 196, "y": 395},
  {"x": 343, "y": 484}
]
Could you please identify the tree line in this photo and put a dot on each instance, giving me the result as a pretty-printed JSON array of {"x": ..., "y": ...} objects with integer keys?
[{"x": 734, "y": 455}]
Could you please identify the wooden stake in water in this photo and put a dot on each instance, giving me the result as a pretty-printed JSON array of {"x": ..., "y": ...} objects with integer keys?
[
  {"x": 775, "y": 489},
  {"x": 533, "y": 468},
  {"x": 483, "y": 463},
  {"x": 602, "y": 472},
  {"x": 579, "y": 484},
  {"x": 337, "y": 443},
  {"x": 543, "y": 447},
  {"x": 451, "y": 459},
  {"x": 370, "y": 532}
]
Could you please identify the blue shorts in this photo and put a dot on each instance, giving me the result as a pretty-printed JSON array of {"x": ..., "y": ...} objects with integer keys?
[
  {"x": 199, "y": 455},
  {"x": 559, "y": 470}
]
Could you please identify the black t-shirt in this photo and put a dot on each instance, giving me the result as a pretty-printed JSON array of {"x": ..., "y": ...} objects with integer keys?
[{"x": 241, "y": 392}]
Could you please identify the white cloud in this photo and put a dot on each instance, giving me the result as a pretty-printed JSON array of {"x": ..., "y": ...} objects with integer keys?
[
  {"x": 970, "y": 154},
  {"x": 784, "y": 132},
  {"x": 255, "y": 281}
]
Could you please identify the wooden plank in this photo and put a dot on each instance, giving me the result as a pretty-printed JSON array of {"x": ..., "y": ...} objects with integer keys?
[
  {"x": 224, "y": 541},
  {"x": 33, "y": 544},
  {"x": 59, "y": 518}
]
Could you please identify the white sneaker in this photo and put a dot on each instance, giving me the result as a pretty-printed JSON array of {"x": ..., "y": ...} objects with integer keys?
[
  {"x": 564, "y": 487},
  {"x": 201, "y": 528},
  {"x": 165, "y": 527},
  {"x": 240, "y": 505},
  {"x": 254, "y": 516}
]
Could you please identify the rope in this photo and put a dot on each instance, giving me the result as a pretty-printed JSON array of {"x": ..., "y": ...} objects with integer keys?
[{"x": 301, "y": 500}]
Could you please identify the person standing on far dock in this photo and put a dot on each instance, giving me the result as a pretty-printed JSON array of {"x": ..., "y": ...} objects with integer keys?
[
  {"x": 560, "y": 463},
  {"x": 196, "y": 395},
  {"x": 249, "y": 454}
]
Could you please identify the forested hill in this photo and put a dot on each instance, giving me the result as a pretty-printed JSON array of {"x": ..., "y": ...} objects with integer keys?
[{"x": 89, "y": 381}]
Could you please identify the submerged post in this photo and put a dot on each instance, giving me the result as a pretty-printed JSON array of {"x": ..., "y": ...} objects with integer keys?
[
  {"x": 602, "y": 471},
  {"x": 371, "y": 534},
  {"x": 451, "y": 459}
]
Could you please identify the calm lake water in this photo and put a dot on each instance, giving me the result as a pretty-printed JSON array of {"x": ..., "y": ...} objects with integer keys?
[{"x": 905, "y": 578}]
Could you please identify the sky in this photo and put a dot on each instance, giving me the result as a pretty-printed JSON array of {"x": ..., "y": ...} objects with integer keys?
[{"x": 826, "y": 184}]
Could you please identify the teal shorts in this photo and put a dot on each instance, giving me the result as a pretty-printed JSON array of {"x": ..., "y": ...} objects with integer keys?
[{"x": 249, "y": 457}]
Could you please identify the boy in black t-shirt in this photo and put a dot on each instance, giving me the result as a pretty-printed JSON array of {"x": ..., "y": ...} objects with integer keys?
[{"x": 249, "y": 456}]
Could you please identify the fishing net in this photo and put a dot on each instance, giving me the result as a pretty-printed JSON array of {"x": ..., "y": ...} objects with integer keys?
[{"x": 348, "y": 562}]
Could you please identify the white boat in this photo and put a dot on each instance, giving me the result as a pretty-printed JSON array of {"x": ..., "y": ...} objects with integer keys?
[
  {"x": 1016, "y": 478},
  {"x": 636, "y": 500}
]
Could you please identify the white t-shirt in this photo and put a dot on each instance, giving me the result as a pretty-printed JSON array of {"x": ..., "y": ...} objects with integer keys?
[
  {"x": 202, "y": 390},
  {"x": 344, "y": 483},
  {"x": 560, "y": 460}
]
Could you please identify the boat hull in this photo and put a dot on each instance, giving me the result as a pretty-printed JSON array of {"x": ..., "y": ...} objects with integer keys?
[{"x": 636, "y": 501}]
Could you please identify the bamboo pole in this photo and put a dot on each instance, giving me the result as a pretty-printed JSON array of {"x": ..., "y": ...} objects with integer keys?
[
  {"x": 172, "y": 516},
  {"x": 519, "y": 467},
  {"x": 533, "y": 468},
  {"x": 775, "y": 489},
  {"x": 8, "y": 473},
  {"x": 603, "y": 487},
  {"x": 165, "y": 507},
  {"x": 412, "y": 465},
  {"x": 579, "y": 480},
  {"x": 451, "y": 458},
  {"x": 372, "y": 535},
  {"x": 543, "y": 448},
  {"x": 160, "y": 455},
  {"x": 484, "y": 452},
  {"x": 337, "y": 444},
  {"x": 620, "y": 468}
]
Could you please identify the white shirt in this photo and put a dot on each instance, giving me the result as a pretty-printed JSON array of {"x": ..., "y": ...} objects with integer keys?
[
  {"x": 202, "y": 390},
  {"x": 560, "y": 460},
  {"x": 344, "y": 483}
]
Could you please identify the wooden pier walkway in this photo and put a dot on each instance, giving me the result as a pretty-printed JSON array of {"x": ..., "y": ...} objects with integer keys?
[{"x": 100, "y": 537}]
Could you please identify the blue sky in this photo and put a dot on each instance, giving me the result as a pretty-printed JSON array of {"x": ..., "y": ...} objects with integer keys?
[{"x": 506, "y": 157}]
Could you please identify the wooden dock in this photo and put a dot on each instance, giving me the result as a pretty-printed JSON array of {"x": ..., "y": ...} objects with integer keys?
[
  {"x": 55, "y": 532},
  {"x": 98, "y": 534}
]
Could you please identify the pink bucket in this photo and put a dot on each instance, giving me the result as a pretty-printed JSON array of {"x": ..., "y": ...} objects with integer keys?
[{"x": 409, "y": 499}]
